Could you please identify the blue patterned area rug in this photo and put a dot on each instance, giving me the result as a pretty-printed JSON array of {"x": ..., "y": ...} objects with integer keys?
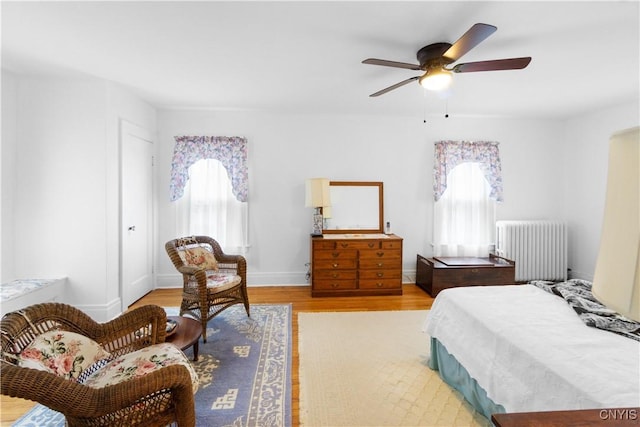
[{"x": 244, "y": 370}]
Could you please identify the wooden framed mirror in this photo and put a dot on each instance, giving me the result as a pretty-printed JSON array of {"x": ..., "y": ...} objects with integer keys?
[{"x": 356, "y": 208}]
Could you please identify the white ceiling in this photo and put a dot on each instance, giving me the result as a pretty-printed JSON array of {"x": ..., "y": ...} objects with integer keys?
[{"x": 304, "y": 56}]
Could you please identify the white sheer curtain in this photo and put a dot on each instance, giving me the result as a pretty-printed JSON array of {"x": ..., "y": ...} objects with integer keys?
[
  {"x": 464, "y": 216},
  {"x": 208, "y": 207}
]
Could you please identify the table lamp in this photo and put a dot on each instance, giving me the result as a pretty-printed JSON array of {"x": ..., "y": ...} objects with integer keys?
[{"x": 317, "y": 196}]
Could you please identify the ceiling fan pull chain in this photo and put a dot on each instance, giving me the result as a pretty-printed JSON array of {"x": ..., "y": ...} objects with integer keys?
[{"x": 424, "y": 107}]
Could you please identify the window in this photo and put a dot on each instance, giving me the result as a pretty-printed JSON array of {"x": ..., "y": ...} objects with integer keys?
[
  {"x": 465, "y": 215},
  {"x": 209, "y": 183},
  {"x": 467, "y": 185},
  {"x": 209, "y": 207}
]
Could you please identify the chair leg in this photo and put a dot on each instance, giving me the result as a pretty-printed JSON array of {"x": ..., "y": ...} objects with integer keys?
[
  {"x": 247, "y": 308},
  {"x": 245, "y": 301},
  {"x": 204, "y": 329}
]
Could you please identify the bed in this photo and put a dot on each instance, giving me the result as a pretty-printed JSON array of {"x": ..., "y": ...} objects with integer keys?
[{"x": 520, "y": 348}]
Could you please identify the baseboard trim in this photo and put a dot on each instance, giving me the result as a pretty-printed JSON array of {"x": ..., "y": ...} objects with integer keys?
[{"x": 172, "y": 281}]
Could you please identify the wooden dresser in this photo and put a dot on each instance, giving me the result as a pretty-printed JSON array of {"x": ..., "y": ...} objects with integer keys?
[{"x": 350, "y": 266}]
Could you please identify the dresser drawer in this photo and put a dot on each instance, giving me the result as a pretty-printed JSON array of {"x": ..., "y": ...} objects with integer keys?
[
  {"x": 334, "y": 274},
  {"x": 336, "y": 254},
  {"x": 380, "y": 283},
  {"x": 379, "y": 264},
  {"x": 358, "y": 244},
  {"x": 392, "y": 244},
  {"x": 380, "y": 274},
  {"x": 323, "y": 244},
  {"x": 334, "y": 285},
  {"x": 334, "y": 264},
  {"x": 380, "y": 254}
]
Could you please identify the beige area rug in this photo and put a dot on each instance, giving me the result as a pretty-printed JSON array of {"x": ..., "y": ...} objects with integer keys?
[{"x": 370, "y": 369}]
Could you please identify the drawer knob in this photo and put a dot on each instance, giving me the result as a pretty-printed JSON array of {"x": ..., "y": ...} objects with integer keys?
[
  {"x": 335, "y": 285},
  {"x": 344, "y": 245},
  {"x": 335, "y": 265},
  {"x": 371, "y": 245},
  {"x": 380, "y": 254},
  {"x": 474, "y": 270},
  {"x": 379, "y": 285},
  {"x": 335, "y": 254},
  {"x": 380, "y": 264},
  {"x": 335, "y": 275}
]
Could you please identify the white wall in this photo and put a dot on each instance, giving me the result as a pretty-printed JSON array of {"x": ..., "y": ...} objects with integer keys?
[
  {"x": 60, "y": 214},
  {"x": 585, "y": 152},
  {"x": 8, "y": 123},
  {"x": 285, "y": 149},
  {"x": 60, "y": 179},
  {"x": 65, "y": 185}
]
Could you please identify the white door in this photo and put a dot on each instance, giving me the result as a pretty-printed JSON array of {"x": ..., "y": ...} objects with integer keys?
[{"x": 136, "y": 241}]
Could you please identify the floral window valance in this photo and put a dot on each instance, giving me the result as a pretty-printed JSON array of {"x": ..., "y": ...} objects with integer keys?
[
  {"x": 449, "y": 154},
  {"x": 230, "y": 151}
]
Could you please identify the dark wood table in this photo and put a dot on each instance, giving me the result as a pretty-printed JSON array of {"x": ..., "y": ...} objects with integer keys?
[
  {"x": 581, "y": 418},
  {"x": 186, "y": 334}
]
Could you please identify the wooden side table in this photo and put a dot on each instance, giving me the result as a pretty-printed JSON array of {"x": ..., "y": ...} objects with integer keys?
[
  {"x": 579, "y": 418},
  {"x": 187, "y": 334}
]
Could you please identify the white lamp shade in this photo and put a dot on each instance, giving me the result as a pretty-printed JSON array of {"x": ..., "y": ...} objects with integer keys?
[
  {"x": 616, "y": 281},
  {"x": 317, "y": 193}
]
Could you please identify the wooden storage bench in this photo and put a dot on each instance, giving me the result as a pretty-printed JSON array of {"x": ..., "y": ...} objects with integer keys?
[{"x": 438, "y": 273}]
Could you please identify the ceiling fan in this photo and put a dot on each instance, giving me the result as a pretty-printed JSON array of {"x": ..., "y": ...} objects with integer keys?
[{"x": 435, "y": 58}]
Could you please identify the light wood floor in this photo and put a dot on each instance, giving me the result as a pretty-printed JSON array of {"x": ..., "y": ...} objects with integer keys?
[{"x": 413, "y": 298}]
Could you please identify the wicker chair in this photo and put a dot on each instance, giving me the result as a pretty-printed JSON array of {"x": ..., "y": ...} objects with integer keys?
[
  {"x": 159, "y": 398},
  {"x": 201, "y": 298}
]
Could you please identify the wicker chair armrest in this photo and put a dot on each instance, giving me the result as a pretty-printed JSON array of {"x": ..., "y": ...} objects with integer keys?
[
  {"x": 147, "y": 324},
  {"x": 40, "y": 386},
  {"x": 230, "y": 259},
  {"x": 78, "y": 400},
  {"x": 188, "y": 269}
]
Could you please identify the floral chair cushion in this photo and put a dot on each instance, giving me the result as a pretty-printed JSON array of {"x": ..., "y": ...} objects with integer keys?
[
  {"x": 199, "y": 257},
  {"x": 138, "y": 363},
  {"x": 63, "y": 353},
  {"x": 220, "y": 281}
]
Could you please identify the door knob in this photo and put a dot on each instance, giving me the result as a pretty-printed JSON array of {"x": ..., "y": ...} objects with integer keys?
[{"x": 132, "y": 228}]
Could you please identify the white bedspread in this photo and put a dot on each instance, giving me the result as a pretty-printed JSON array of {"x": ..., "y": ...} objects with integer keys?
[{"x": 530, "y": 352}]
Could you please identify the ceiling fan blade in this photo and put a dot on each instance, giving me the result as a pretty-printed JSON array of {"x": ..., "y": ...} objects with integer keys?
[
  {"x": 473, "y": 37},
  {"x": 495, "y": 65},
  {"x": 384, "y": 62},
  {"x": 395, "y": 86}
]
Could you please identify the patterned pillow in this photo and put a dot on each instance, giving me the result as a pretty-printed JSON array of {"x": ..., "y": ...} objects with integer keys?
[
  {"x": 199, "y": 257},
  {"x": 139, "y": 363},
  {"x": 63, "y": 353}
]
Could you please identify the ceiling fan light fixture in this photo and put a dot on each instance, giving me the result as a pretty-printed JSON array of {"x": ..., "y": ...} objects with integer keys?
[{"x": 436, "y": 79}]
